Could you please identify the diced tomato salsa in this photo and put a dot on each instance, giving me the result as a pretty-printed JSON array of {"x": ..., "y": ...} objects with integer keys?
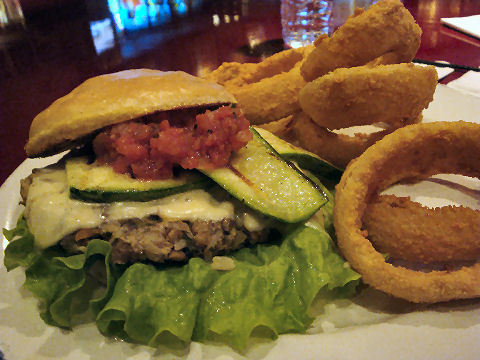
[{"x": 151, "y": 149}]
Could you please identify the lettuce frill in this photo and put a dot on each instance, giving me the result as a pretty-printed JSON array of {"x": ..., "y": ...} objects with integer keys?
[{"x": 272, "y": 286}]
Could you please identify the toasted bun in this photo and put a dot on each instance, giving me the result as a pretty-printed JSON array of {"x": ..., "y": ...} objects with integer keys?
[{"x": 113, "y": 98}]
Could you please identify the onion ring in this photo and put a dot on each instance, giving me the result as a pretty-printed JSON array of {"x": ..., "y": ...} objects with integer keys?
[
  {"x": 446, "y": 147},
  {"x": 385, "y": 59},
  {"x": 339, "y": 149},
  {"x": 237, "y": 74},
  {"x": 393, "y": 94},
  {"x": 406, "y": 230},
  {"x": 271, "y": 98},
  {"x": 386, "y": 27},
  {"x": 281, "y": 128},
  {"x": 232, "y": 73},
  {"x": 267, "y": 91}
]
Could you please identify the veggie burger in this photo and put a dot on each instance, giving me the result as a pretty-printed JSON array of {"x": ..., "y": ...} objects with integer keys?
[
  {"x": 164, "y": 167},
  {"x": 164, "y": 170}
]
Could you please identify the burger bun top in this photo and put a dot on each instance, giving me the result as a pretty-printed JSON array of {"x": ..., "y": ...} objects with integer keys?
[{"x": 114, "y": 98}]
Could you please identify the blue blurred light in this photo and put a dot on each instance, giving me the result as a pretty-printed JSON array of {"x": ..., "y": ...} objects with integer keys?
[
  {"x": 103, "y": 35},
  {"x": 180, "y": 7},
  {"x": 146, "y": 14},
  {"x": 113, "y": 5}
]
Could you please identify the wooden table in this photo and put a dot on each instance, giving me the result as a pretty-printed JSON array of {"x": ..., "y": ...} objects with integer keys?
[{"x": 55, "y": 51}]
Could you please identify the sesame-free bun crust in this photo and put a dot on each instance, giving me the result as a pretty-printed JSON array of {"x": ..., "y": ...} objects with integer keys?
[{"x": 113, "y": 98}]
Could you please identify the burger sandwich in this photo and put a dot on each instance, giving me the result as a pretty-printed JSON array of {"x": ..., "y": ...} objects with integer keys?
[{"x": 167, "y": 183}]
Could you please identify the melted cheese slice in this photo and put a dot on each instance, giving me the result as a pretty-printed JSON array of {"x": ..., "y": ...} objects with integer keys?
[{"x": 51, "y": 214}]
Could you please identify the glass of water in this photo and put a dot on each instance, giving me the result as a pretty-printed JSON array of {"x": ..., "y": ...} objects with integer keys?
[{"x": 304, "y": 20}]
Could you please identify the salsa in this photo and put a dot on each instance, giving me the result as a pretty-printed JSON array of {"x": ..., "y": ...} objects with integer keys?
[{"x": 150, "y": 148}]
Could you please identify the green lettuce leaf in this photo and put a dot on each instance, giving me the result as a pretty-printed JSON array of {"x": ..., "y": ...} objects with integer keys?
[
  {"x": 57, "y": 280},
  {"x": 21, "y": 252},
  {"x": 275, "y": 293},
  {"x": 272, "y": 286}
]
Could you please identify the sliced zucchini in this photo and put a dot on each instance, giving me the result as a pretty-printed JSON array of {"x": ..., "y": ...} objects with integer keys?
[
  {"x": 97, "y": 183},
  {"x": 305, "y": 159},
  {"x": 258, "y": 176}
]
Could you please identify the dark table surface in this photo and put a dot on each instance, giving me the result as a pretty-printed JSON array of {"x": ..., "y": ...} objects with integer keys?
[{"x": 54, "y": 51}]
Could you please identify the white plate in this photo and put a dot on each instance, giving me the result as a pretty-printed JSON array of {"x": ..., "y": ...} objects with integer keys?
[{"x": 372, "y": 326}]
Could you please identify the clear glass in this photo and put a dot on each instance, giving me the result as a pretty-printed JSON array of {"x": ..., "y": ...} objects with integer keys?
[
  {"x": 342, "y": 9},
  {"x": 304, "y": 20}
]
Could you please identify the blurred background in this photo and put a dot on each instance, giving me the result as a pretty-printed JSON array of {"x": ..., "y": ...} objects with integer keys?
[
  {"x": 108, "y": 34},
  {"x": 50, "y": 46}
]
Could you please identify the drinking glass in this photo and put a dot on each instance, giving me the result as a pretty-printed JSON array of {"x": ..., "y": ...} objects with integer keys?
[{"x": 304, "y": 20}]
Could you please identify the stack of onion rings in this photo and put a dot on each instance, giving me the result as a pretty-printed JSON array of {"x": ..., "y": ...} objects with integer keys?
[
  {"x": 274, "y": 93},
  {"x": 446, "y": 147},
  {"x": 355, "y": 78}
]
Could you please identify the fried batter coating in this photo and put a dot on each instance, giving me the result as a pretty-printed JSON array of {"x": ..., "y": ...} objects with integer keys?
[
  {"x": 282, "y": 128},
  {"x": 394, "y": 94},
  {"x": 406, "y": 230},
  {"x": 271, "y": 98},
  {"x": 386, "y": 27},
  {"x": 339, "y": 149},
  {"x": 267, "y": 91},
  {"x": 237, "y": 74},
  {"x": 232, "y": 74},
  {"x": 445, "y": 147}
]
